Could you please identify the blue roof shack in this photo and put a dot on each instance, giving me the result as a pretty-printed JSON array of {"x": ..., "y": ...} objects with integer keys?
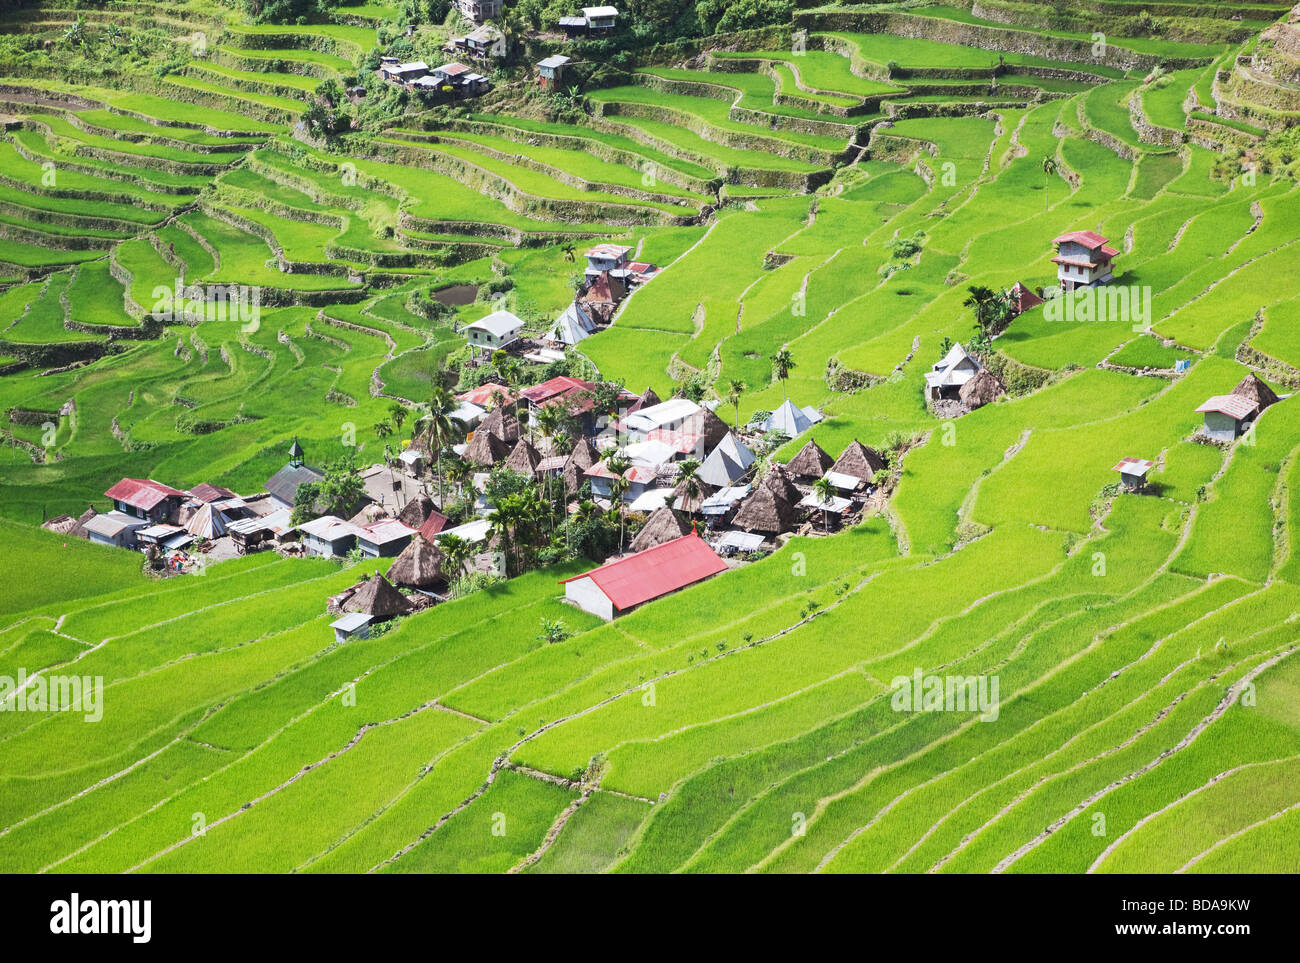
[{"x": 550, "y": 72}]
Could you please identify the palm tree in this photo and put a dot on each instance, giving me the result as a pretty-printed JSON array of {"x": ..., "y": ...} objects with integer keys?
[
  {"x": 687, "y": 479},
  {"x": 75, "y": 34},
  {"x": 548, "y": 420},
  {"x": 735, "y": 389},
  {"x": 619, "y": 464},
  {"x": 782, "y": 365},
  {"x": 439, "y": 429},
  {"x": 383, "y": 430},
  {"x": 1049, "y": 168},
  {"x": 458, "y": 472},
  {"x": 823, "y": 489},
  {"x": 457, "y": 551},
  {"x": 567, "y": 250},
  {"x": 397, "y": 414},
  {"x": 502, "y": 522}
]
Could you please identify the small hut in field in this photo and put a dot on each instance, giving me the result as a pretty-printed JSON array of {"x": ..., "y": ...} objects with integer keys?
[
  {"x": 664, "y": 525},
  {"x": 859, "y": 461},
  {"x": 502, "y": 423},
  {"x": 765, "y": 511},
  {"x": 523, "y": 459},
  {"x": 485, "y": 449},
  {"x": 779, "y": 482},
  {"x": 419, "y": 566},
  {"x": 981, "y": 390},
  {"x": 1255, "y": 391},
  {"x": 811, "y": 462},
  {"x": 377, "y": 598}
]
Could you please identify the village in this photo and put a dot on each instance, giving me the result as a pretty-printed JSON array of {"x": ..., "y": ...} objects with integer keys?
[
  {"x": 484, "y": 45},
  {"x": 496, "y": 479}
]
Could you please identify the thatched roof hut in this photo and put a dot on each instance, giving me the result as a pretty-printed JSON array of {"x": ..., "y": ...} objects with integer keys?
[
  {"x": 779, "y": 482},
  {"x": 648, "y": 399},
  {"x": 765, "y": 511},
  {"x": 981, "y": 390},
  {"x": 1251, "y": 388},
  {"x": 377, "y": 597},
  {"x": 662, "y": 526},
  {"x": 684, "y": 503},
  {"x": 502, "y": 423},
  {"x": 583, "y": 456},
  {"x": 524, "y": 458},
  {"x": 811, "y": 462},
  {"x": 417, "y": 511},
  {"x": 859, "y": 461},
  {"x": 485, "y": 449},
  {"x": 711, "y": 427},
  {"x": 419, "y": 566}
]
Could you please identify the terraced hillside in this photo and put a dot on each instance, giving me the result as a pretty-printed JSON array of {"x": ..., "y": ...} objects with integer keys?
[{"x": 832, "y": 188}]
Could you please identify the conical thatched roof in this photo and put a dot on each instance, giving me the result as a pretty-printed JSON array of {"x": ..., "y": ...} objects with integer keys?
[
  {"x": 713, "y": 428},
  {"x": 573, "y": 476},
  {"x": 779, "y": 482},
  {"x": 502, "y": 423},
  {"x": 765, "y": 511},
  {"x": 485, "y": 449},
  {"x": 1252, "y": 388},
  {"x": 377, "y": 597},
  {"x": 662, "y": 526},
  {"x": 584, "y": 453},
  {"x": 524, "y": 458},
  {"x": 981, "y": 390},
  {"x": 419, "y": 565},
  {"x": 811, "y": 462},
  {"x": 646, "y": 400},
  {"x": 208, "y": 522},
  {"x": 417, "y": 511},
  {"x": 686, "y": 504},
  {"x": 859, "y": 461}
]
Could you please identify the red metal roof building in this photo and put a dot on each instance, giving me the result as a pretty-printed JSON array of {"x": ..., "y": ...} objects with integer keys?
[
  {"x": 618, "y": 587},
  {"x": 484, "y": 393},
  {"x": 554, "y": 388},
  {"x": 434, "y": 524},
  {"x": 1083, "y": 259},
  {"x": 144, "y": 498}
]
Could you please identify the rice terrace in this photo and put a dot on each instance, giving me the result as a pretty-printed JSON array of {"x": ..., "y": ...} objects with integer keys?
[{"x": 709, "y": 436}]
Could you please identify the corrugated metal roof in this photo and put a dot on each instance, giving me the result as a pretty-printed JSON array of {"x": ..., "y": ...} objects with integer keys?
[
  {"x": 1234, "y": 406},
  {"x": 656, "y": 571},
  {"x": 1134, "y": 466},
  {"x": 143, "y": 493}
]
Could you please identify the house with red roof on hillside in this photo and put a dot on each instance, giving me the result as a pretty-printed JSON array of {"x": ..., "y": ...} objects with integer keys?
[
  {"x": 618, "y": 587},
  {"x": 1083, "y": 258},
  {"x": 145, "y": 498}
]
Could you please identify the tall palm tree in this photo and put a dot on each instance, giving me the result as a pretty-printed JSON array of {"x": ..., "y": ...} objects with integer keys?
[
  {"x": 688, "y": 479},
  {"x": 567, "y": 250},
  {"x": 782, "y": 365},
  {"x": 503, "y": 520},
  {"x": 457, "y": 551},
  {"x": 1049, "y": 168},
  {"x": 824, "y": 491},
  {"x": 548, "y": 420},
  {"x": 619, "y": 464},
  {"x": 440, "y": 430},
  {"x": 735, "y": 389}
]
